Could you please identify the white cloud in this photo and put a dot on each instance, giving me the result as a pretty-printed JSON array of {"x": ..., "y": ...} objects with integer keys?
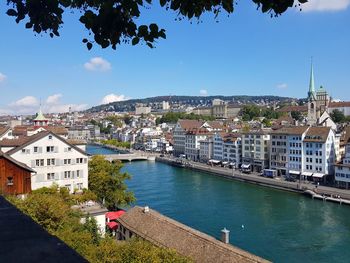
[
  {"x": 30, "y": 105},
  {"x": 27, "y": 101},
  {"x": 282, "y": 86},
  {"x": 97, "y": 64},
  {"x": 2, "y": 77},
  {"x": 53, "y": 99},
  {"x": 203, "y": 92},
  {"x": 325, "y": 5},
  {"x": 112, "y": 98}
]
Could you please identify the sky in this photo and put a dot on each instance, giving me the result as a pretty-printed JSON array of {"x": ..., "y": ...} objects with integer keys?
[{"x": 245, "y": 53}]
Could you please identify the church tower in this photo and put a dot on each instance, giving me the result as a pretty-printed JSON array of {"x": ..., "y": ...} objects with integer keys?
[{"x": 312, "y": 100}]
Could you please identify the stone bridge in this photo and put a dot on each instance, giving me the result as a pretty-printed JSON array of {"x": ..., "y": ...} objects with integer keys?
[{"x": 128, "y": 157}]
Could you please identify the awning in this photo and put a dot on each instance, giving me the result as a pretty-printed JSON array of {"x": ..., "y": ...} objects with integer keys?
[
  {"x": 245, "y": 166},
  {"x": 214, "y": 161},
  {"x": 114, "y": 215},
  {"x": 307, "y": 174},
  {"x": 294, "y": 172},
  {"x": 318, "y": 175},
  {"x": 232, "y": 163},
  {"x": 112, "y": 225},
  {"x": 224, "y": 163}
]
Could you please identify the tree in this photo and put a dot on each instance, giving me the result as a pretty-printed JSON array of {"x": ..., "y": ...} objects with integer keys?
[
  {"x": 338, "y": 116},
  {"x": 51, "y": 208},
  {"x": 108, "y": 182},
  {"x": 297, "y": 115},
  {"x": 111, "y": 22}
]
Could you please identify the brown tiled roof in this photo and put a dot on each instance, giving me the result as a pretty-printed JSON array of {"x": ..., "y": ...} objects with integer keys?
[
  {"x": 22, "y": 165},
  {"x": 25, "y": 141},
  {"x": 3, "y": 129},
  {"x": 190, "y": 124},
  {"x": 166, "y": 232},
  {"x": 76, "y": 142},
  {"x": 21, "y": 130},
  {"x": 293, "y": 108},
  {"x": 258, "y": 132},
  {"x": 296, "y": 130},
  {"x": 14, "y": 142},
  {"x": 60, "y": 130},
  {"x": 215, "y": 124},
  {"x": 317, "y": 134},
  {"x": 339, "y": 104}
]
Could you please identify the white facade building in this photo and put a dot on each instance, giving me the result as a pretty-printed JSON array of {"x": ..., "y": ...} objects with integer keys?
[
  {"x": 232, "y": 149},
  {"x": 342, "y": 170},
  {"x": 255, "y": 149},
  {"x": 218, "y": 146},
  {"x": 206, "y": 149},
  {"x": 319, "y": 152},
  {"x": 53, "y": 159}
]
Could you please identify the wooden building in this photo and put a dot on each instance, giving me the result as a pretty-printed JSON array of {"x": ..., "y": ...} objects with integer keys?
[{"x": 15, "y": 177}]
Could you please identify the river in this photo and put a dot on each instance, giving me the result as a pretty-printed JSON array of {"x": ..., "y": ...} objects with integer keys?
[{"x": 276, "y": 225}]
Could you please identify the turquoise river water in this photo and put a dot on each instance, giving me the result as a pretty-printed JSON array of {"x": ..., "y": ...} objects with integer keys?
[{"x": 276, "y": 225}]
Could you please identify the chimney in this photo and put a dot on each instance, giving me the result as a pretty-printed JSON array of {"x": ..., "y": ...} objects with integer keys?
[
  {"x": 146, "y": 209},
  {"x": 225, "y": 235}
]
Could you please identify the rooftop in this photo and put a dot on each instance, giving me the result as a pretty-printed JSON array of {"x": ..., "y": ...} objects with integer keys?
[
  {"x": 166, "y": 232},
  {"x": 23, "y": 240}
]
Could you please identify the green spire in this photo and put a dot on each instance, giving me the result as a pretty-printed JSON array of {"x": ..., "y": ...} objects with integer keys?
[
  {"x": 311, "y": 93},
  {"x": 40, "y": 116}
]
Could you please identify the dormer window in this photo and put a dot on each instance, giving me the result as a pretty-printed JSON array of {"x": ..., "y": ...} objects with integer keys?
[{"x": 10, "y": 180}]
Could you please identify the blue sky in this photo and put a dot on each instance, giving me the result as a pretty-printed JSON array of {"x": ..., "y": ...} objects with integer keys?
[{"x": 245, "y": 53}]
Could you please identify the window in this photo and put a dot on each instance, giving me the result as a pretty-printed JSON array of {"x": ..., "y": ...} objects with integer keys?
[
  {"x": 10, "y": 180},
  {"x": 50, "y": 149},
  {"x": 50, "y": 176},
  {"x": 78, "y": 173},
  {"x": 50, "y": 161},
  {"x": 36, "y": 149},
  {"x": 50, "y": 137},
  {"x": 39, "y": 162},
  {"x": 80, "y": 160},
  {"x": 69, "y": 149},
  {"x": 66, "y": 174},
  {"x": 67, "y": 161}
]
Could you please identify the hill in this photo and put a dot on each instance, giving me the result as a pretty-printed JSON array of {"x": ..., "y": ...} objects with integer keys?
[{"x": 191, "y": 101}]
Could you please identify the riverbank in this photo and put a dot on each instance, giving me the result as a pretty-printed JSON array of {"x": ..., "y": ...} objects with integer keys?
[{"x": 296, "y": 187}]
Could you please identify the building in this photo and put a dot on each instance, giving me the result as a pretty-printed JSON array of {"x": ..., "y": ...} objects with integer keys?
[
  {"x": 52, "y": 158},
  {"x": 343, "y": 106},
  {"x": 232, "y": 149},
  {"x": 342, "y": 170},
  {"x": 318, "y": 101},
  {"x": 40, "y": 120},
  {"x": 218, "y": 146},
  {"x": 319, "y": 153},
  {"x": 165, "y": 232},
  {"x": 255, "y": 149},
  {"x": 15, "y": 177},
  {"x": 179, "y": 134},
  {"x": 6, "y": 133},
  {"x": 193, "y": 139},
  {"x": 286, "y": 150},
  {"x": 140, "y": 109},
  {"x": 206, "y": 149}
]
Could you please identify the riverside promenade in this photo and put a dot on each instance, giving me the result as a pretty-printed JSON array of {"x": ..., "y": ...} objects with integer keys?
[{"x": 254, "y": 178}]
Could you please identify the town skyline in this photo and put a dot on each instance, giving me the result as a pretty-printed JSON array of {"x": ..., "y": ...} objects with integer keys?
[{"x": 272, "y": 61}]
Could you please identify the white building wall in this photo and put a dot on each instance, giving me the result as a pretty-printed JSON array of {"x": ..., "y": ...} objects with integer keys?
[{"x": 73, "y": 175}]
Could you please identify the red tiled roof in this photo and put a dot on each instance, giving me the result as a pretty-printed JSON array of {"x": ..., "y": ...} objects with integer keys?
[{"x": 339, "y": 104}]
